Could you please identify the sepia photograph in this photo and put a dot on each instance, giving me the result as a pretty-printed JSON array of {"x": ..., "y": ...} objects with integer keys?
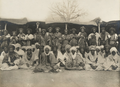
[{"x": 59, "y": 43}]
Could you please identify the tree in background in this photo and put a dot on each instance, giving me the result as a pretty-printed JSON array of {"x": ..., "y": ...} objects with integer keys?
[{"x": 67, "y": 10}]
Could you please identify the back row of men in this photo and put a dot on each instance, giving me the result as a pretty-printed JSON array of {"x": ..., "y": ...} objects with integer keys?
[{"x": 44, "y": 37}]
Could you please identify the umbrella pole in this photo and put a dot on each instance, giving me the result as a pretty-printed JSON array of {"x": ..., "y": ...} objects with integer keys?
[
  {"x": 99, "y": 27},
  {"x": 66, "y": 26}
]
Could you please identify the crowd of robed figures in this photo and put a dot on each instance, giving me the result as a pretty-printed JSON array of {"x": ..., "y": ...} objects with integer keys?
[{"x": 45, "y": 51}]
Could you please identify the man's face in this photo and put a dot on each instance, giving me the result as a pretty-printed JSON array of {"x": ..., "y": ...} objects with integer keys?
[
  {"x": 21, "y": 31},
  {"x": 113, "y": 53},
  {"x": 37, "y": 46},
  {"x": 29, "y": 51},
  {"x": 82, "y": 30},
  {"x": 43, "y": 32},
  {"x": 55, "y": 49},
  {"x": 5, "y": 32},
  {"x": 73, "y": 32},
  {"x": 63, "y": 49},
  {"x": 5, "y": 49},
  {"x": 50, "y": 30},
  {"x": 82, "y": 50},
  {"x": 98, "y": 50},
  {"x": 33, "y": 49},
  {"x": 68, "y": 50},
  {"x": 94, "y": 30},
  {"x": 73, "y": 52},
  {"x": 106, "y": 49},
  {"x": 57, "y": 29},
  {"x": 46, "y": 50},
  {"x": 112, "y": 32},
  {"x": 14, "y": 33},
  {"x": 103, "y": 30},
  {"x": 11, "y": 50},
  {"x": 28, "y": 31},
  {"x": 17, "y": 48},
  {"x": 92, "y": 52}
]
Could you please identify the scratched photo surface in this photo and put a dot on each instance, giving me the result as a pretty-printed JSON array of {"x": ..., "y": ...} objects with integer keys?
[{"x": 59, "y": 43}]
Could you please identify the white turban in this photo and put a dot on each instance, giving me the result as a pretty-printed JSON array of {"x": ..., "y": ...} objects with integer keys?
[
  {"x": 24, "y": 47},
  {"x": 29, "y": 47},
  {"x": 33, "y": 46},
  {"x": 113, "y": 49},
  {"x": 47, "y": 46},
  {"x": 17, "y": 45},
  {"x": 98, "y": 47},
  {"x": 102, "y": 46},
  {"x": 73, "y": 48},
  {"x": 37, "y": 44},
  {"x": 92, "y": 48}
]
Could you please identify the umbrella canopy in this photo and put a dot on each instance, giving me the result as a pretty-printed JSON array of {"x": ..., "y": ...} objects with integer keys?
[
  {"x": 15, "y": 21},
  {"x": 115, "y": 24}
]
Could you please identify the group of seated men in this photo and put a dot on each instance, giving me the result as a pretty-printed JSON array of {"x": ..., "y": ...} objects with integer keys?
[{"x": 46, "y": 51}]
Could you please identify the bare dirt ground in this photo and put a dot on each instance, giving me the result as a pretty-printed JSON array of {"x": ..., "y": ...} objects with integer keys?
[{"x": 26, "y": 78}]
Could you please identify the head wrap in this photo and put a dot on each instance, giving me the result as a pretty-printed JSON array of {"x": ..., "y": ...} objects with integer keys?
[
  {"x": 37, "y": 44},
  {"x": 92, "y": 47},
  {"x": 102, "y": 46},
  {"x": 47, "y": 46},
  {"x": 44, "y": 30},
  {"x": 98, "y": 47},
  {"x": 50, "y": 28},
  {"x": 29, "y": 47},
  {"x": 67, "y": 46},
  {"x": 82, "y": 27},
  {"x": 113, "y": 49},
  {"x": 33, "y": 46},
  {"x": 29, "y": 29},
  {"x": 112, "y": 28},
  {"x": 12, "y": 46},
  {"x": 73, "y": 29},
  {"x": 57, "y": 28},
  {"x": 17, "y": 45},
  {"x": 73, "y": 48},
  {"x": 24, "y": 47}
]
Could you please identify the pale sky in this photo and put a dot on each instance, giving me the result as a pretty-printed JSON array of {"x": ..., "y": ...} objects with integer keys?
[{"x": 39, "y": 10}]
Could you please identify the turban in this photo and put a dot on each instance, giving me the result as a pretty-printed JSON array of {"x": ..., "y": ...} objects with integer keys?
[
  {"x": 47, "y": 46},
  {"x": 57, "y": 28},
  {"x": 29, "y": 47},
  {"x": 17, "y": 45},
  {"x": 102, "y": 46},
  {"x": 37, "y": 44},
  {"x": 12, "y": 46},
  {"x": 112, "y": 29},
  {"x": 33, "y": 46},
  {"x": 73, "y": 29},
  {"x": 113, "y": 49},
  {"x": 92, "y": 47},
  {"x": 98, "y": 47},
  {"x": 67, "y": 47},
  {"x": 82, "y": 27},
  {"x": 73, "y": 48},
  {"x": 24, "y": 47}
]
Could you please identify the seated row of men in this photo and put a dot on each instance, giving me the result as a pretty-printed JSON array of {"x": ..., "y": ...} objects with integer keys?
[
  {"x": 45, "y": 37},
  {"x": 41, "y": 58}
]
